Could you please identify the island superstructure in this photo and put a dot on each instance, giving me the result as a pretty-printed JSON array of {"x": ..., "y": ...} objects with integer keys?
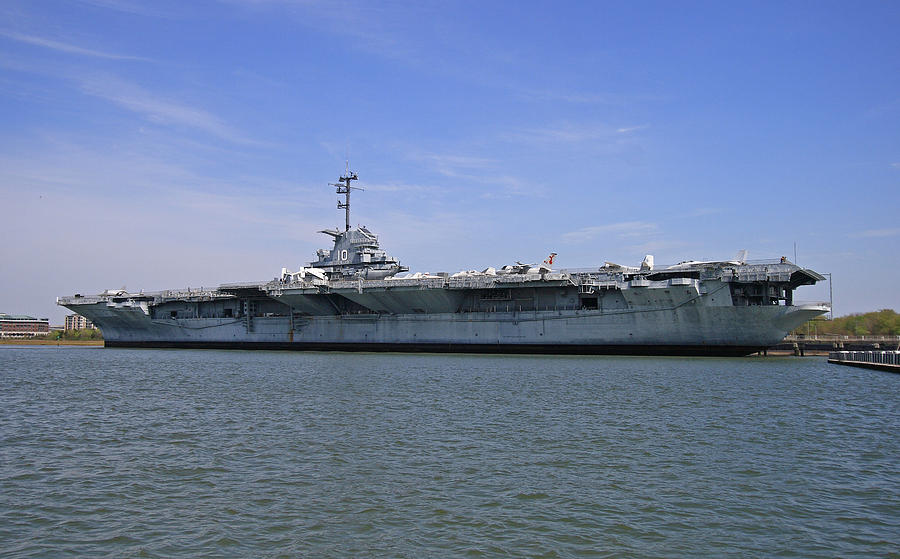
[{"x": 355, "y": 297}]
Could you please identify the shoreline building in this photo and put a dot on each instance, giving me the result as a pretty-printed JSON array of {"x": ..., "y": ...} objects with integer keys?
[
  {"x": 78, "y": 322},
  {"x": 22, "y": 326}
]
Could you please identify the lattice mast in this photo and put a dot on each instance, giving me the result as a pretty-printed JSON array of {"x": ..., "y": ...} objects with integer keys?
[{"x": 343, "y": 187}]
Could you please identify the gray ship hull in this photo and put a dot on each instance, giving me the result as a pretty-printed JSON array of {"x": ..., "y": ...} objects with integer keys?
[{"x": 689, "y": 330}]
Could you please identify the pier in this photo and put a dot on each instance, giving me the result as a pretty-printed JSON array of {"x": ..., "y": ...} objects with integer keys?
[
  {"x": 826, "y": 343},
  {"x": 880, "y": 360}
]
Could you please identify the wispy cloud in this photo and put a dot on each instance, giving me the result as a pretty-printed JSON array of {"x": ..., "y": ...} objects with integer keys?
[
  {"x": 702, "y": 212},
  {"x": 569, "y": 97},
  {"x": 622, "y": 230},
  {"x": 895, "y": 165},
  {"x": 65, "y": 47},
  {"x": 131, "y": 7},
  {"x": 883, "y": 109},
  {"x": 509, "y": 186},
  {"x": 876, "y": 233},
  {"x": 627, "y": 129},
  {"x": 582, "y": 97},
  {"x": 132, "y": 97},
  {"x": 657, "y": 246},
  {"x": 109, "y": 182},
  {"x": 481, "y": 171},
  {"x": 453, "y": 165},
  {"x": 568, "y": 133},
  {"x": 138, "y": 100},
  {"x": 370, "y": 26},
  {"x": 401, "y": 187}
]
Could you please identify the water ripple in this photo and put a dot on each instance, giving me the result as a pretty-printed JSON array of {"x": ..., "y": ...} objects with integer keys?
[{"x": 139, "y": 453}]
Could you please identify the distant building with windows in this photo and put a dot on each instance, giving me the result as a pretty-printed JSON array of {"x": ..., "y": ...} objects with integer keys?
[
  {"x": 22, "y": 326},
  {"x": 77, "y": 322}
]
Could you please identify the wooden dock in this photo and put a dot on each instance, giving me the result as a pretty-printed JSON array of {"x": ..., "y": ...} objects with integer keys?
[{"x": 880, "y": 360}]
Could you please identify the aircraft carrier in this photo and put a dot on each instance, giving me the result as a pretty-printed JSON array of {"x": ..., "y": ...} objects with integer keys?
[{"x": 355, "y": 297}]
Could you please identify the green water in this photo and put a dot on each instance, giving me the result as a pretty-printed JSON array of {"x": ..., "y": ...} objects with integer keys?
[{"x": 158, "y": 453}]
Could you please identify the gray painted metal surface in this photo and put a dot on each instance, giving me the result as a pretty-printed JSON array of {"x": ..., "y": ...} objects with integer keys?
[{"x": 352, "y": 297}]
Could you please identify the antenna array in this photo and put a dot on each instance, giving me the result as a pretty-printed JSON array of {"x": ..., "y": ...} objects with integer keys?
[{"x": 343, "y": 187}]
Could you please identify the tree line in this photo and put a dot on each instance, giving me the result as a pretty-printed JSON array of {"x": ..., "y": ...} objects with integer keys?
[
  {"x": 85, "y": 334},
  {"x": 885, "y": 322}
]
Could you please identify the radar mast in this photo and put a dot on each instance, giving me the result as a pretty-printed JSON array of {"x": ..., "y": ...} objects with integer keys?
[{"x": 343, "y": 187}]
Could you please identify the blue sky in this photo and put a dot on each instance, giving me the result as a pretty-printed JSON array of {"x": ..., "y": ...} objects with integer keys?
[{"x": 156, "y": 145}]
